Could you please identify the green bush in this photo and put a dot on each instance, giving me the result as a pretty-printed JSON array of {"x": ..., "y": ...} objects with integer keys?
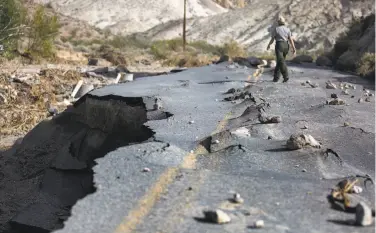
[
  {"x": 366, "y": 65},
  {"x": 42, "y": 32},
  {"x": 233, "y": 49},
  {"x": 12, "y": 19}
]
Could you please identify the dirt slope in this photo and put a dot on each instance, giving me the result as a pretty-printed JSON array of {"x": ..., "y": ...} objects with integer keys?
[
  {"x": 132, "y": 16},
  {"x": 315, "y": 24}
]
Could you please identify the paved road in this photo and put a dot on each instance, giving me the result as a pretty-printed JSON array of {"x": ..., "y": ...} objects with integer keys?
[
  {"x": 185, "y": 179},
  {"x": 189, "y": 172}
]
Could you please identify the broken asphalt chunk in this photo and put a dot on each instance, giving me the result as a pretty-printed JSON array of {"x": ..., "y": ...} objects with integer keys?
[
  {"x": 330, "y": 85},
  {"x": 268, "y": 120},
  {"x": 217, "y": 216}
]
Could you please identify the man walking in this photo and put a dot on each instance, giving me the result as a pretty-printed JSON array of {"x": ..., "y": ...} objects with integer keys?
[{"x": 282, "y": 35}]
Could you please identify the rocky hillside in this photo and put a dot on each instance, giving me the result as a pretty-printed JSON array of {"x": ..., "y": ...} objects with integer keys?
[
  {"x": 130, "y": 16},
  {"x": 315, "y": 23}
]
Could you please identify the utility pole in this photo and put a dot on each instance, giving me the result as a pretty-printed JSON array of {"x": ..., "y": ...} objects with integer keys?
[{"x": 184, "y": 23}]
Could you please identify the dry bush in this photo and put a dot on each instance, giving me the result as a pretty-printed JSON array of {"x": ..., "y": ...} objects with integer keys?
[
  {"x": 189, "y": 60},
  {"x": 233, "y": 49},
  {"x": 112, "y": 55},
  {"x": 366, "y": 65}
]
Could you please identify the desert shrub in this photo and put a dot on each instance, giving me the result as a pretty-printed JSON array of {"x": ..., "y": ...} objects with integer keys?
[
  {"x": 41, "y": 34},
  {"x": 204, "y": 47},
  {"x": 232, "y": 49},
  {"x": 158, "y": 52},
  {"x": 12, "y": 25},
  {"x": 188, "y": 59},
  {"x": 112, "y": 55},
  {"x": 127, "y": 42},
  {"x": 366, "y": 64},
  {"x": 73, "y": 33}
]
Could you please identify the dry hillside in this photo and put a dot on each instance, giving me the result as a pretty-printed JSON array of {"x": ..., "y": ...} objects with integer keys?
[
  {"x": 132, "y": 16},
  {"x": 315, "y": 24}
]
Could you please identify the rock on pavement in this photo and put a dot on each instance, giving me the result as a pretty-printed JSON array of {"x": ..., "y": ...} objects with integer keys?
[
  {"x": 217, "y": 216},
  {"x": 363, "y": 216},
  {"x": 299, "y": 141}
]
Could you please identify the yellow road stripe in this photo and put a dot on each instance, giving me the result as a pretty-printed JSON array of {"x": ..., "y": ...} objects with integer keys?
[{"x": 146, "y": 203}]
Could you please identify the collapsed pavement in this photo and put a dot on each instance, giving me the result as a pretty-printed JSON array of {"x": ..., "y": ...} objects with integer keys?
[{"x": 117, "y": 132}]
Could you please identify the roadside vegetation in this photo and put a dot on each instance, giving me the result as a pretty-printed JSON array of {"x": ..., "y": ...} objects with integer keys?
[
  {"x": 27, "y": 33},
  {"x": 354, "y": 49}
]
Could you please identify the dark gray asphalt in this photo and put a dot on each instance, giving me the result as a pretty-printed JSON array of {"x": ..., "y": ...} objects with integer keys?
[{"x": 269, "y": 178}]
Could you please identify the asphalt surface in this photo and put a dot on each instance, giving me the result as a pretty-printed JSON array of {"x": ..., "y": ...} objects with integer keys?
[{"x": 181, "y": 184}]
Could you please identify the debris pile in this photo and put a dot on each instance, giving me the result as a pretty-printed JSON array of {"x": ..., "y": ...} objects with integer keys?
[
  {"x": 28, "y": 98},
  {"x": 346, "y": 195}
]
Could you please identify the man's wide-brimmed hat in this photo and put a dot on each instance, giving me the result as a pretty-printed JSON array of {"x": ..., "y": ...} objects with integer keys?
[{"x": 281, "y": 20}]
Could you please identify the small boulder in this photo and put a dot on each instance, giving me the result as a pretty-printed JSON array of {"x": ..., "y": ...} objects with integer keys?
[
  {"x": 363, "y": 215},
  {"x": 92, "y": 62},
  {"x": 299, "y": 141},
  {"x": 217, "y": 216},
  {"x": 336, "y": 102},
  {"x": 367, "y": 99},
  {"x": 276, "y": 119},
  {"x": 334, "y": 96},
  {"x": 231, "y": 91},
  {"x": 146, "y": 169},
  {"x": 223, "y": 58},
  {"x": 258, "y": 224},
  {"x": 346, "y": 124},
  {"x": 323, "y": 61},
  {"x": 314, "y": 85},
  {"x": 272, "y": 64},
  {"x": 302, "y": 59},
  {"x": 360, "y": 100},
  {"x": 345, "y": 92},
  {"x": 254, "y": 61}
]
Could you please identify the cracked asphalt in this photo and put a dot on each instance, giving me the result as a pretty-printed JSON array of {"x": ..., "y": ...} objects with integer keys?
[{"x": 185, "y": 179}]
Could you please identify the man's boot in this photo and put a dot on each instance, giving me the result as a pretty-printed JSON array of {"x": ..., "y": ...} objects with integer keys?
[{"x": 285, "y": 80}]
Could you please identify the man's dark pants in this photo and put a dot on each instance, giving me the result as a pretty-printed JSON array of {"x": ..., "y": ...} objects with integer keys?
[{"x": 281, "y": 50}]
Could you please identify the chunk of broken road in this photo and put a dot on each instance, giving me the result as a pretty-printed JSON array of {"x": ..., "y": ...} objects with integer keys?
[
  {"x": 345, "y": 92},
  {"x": 299, "y": 141},
  {"x": 241, "y": 132},
  {"x": 330, "y": 85},
  {"x": 216, "y": 216},
  {"x": 268, "y": 120}
]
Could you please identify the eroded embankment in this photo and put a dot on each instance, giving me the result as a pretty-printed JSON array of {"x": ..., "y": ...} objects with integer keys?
[{"x": 51, "y": 169}]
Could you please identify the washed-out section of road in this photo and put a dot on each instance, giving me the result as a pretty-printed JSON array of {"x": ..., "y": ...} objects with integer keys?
[{"x": 202, "y": 146}]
